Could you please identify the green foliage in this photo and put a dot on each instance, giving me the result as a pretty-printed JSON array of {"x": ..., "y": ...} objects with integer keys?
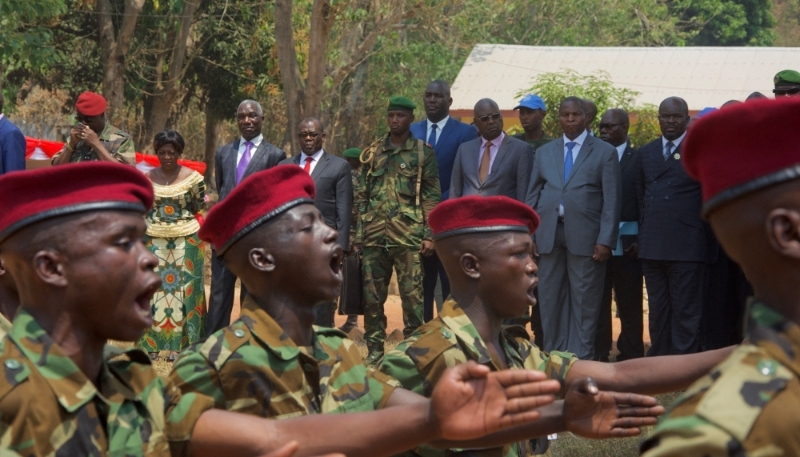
[
  {"x": 554, "y": 87},
  {"x": 25, "y": 33},
  {"x": 727, "y": 22}
]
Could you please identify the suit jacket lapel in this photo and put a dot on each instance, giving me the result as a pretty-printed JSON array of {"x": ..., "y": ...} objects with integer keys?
[
  {"x": 585, "y": 150},
  {"x": 626, "y": 157},
  {"x": 323, "y": 162},
  {"x": 558, "y": 156},
  {"x": 446, "y": 130},
  {"x": 256, "y": 157},
  {"x": 232, "y": 161},
  {"x": 502, "y": 152}
]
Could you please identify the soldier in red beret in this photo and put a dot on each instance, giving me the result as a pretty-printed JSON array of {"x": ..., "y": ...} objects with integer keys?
[
  {"x": 93, "y": 138},
  {"x": 748, "y": 168},
  {"x": 485, "y": 247}
]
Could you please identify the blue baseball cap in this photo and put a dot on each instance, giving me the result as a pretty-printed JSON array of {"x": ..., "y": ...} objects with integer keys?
[
  {"x": 704, "y": 111},
  {"x": 532, "y": 101}
]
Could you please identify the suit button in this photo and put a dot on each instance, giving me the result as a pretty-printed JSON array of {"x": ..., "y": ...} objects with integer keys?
[
  {"x": 666, "y": 198},
  {"x": 480, "y": 191}
]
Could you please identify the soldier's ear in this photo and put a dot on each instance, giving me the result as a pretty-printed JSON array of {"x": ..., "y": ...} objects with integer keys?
[
  {"x": 783, "y": 231},
  {"x": 470, "y": 265},
  {"x": 261, "y": 260},
  {"x": 49, "y": 267}
]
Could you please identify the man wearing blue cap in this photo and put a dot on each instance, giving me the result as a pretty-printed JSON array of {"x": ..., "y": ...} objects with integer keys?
[{"x": 532, "y": 111}]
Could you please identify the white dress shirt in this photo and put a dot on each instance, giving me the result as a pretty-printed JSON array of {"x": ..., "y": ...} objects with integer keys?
[
  {"x": 575, "y": 151},
  {"x": 314, "y": 159},
  {"x": 621, "y": 150},
  {"x": 256, "y": 143},
  {"x": 439, "y": 126},
  {"x": 492, "y": 150},
  {"x": 676, "y": 142}
]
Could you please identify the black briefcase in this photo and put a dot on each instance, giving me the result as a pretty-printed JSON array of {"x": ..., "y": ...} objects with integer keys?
[{"x": 351, "y": 300}]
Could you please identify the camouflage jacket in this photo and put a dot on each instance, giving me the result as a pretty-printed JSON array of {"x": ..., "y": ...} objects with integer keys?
[
  {"x": 386, "y": 198},
  {"x": 356, "y": 175},
  {"x": 747, "y": 405},
  {"x": 5, "y": 326},
  {"x": 48, "y": 407},
  {"x": 451, "y": 339},
  {"x": 252, "y": 367},
  {"x": 537, "y": 143},
  {"x": 118, "y": 143}
]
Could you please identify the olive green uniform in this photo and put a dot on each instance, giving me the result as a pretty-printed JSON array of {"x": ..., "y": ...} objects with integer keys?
[
  {"x": 749, "y": 405},
  {"x": 253, "y": 367},
  {"x": 49, "y": 408},
  {"x": 118, "y": 143},
  {"x": 451, "y": 339},
  {"x": 393, "y": 205}
]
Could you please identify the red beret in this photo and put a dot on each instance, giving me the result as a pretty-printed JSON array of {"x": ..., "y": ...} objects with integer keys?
[
  {"x": 257, "y": 199},
  {"x": 32, "y": 196},
  {"x": 473, "y": 214},
  {"x": 91, "y": 104},
  {"x": 742, "y": 148}
]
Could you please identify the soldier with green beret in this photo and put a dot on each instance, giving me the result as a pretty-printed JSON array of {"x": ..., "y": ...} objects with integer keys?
[
  {"x": 398, "y": 187},
  {"x": 352, "y": 155},
  {"x": 787, "y": 84}
]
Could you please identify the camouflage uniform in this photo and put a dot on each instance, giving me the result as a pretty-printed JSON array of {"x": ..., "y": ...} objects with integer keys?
[
  {"x": 534, "y": 144},
  {"x": 356, "y": 175},
  {"x": 5, "y": 326},
  {"x": 252, "y": 367},
  {"x": 391, "y": 228},
  {"x": 48, "y": 407},
  {"x": 118, "y": 143},
  {"x": 747, "y": 405},
  {"x": 452, "y": 339}
]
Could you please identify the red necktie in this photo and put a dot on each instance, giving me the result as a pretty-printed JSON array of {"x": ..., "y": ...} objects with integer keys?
[{"x": 307, "y": 168}]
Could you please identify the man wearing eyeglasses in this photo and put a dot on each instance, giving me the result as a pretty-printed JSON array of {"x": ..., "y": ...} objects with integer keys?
[
  {"x": 334, "y": 191},
  {"x": 787, "y": 84},
  {"x": 673, "y": 238},
  {"x": 623, "y": 269},
  {"x": 233, "y": 163},
  {"x": 93, "y": 138}
]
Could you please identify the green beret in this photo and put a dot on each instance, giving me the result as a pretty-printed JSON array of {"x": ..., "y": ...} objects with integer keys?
[
  {"x": 352, "y": 153},
  {"x": 787, "y": 77},
  {"x": 401, "y": 103}
]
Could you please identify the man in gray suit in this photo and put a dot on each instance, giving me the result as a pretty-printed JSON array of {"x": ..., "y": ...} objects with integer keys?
[
  {"x": 334, "y": 198},
  {"x": 494, "y": 163},
  {"x": 575, "y": 188},
  {"x": 234, "y": 162}
]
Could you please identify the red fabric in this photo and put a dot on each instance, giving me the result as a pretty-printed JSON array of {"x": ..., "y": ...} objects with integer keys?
[
  {"x": 50, "y": 148},
  {"x": 25, "y": 194},
  {"x": 742, "y": 142},
  {"x": 91, "y": 104},
  {"x": 307, "y": 168},
  {"x": 257, "y": 195},
  {"x": 480, "y": 212}
]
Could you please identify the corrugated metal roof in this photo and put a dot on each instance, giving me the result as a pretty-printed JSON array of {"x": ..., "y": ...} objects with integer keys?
[{"x": 703, "y": 76}]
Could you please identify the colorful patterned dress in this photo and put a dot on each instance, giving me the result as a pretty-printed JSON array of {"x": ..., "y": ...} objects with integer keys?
[{"x": 179, "y": 306}]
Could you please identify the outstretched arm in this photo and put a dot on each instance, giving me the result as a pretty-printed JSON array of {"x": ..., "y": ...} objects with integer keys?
[{"x": 650, "y": 375}]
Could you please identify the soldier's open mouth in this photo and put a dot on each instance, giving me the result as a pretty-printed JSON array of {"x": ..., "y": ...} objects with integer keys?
[{"x": 336, "y": 260}]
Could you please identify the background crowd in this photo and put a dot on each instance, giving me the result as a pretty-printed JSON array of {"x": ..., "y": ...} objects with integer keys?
[{"x": 611, "y": 217}]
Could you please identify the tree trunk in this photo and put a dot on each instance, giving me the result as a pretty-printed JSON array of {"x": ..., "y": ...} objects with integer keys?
[
  {"x": 113, "y": 48},
  {"x": 167, "y": 91},
  {"x": 212, "y": 136},
  {"x": 290, "y": 72},
  {"x": 321, "y": 22}
]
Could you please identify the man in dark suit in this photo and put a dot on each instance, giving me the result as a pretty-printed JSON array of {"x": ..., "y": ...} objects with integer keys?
[
  {"x": 494, "y": 163},
  {"x": 12, "y": 144},
  {"x": 673, "y": 242},
  {"x": 234, "y": 162},
  {"x": 623, "y": 270},
  {"x": 334, "y": 197},
  {"x": 575, "y": 188},
  {"x": 445, "y": 134}
]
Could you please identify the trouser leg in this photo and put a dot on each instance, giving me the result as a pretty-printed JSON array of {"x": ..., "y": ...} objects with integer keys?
[
  {"x": 660, "y": 321},
  {"x": 628, "y": 291},
  {"x": 409, "y": 281},
  {"x": 220, "y": 303},
  {"x": 376, "y": 271},
  {"x": 687, "y": 292},
  {"x": 586, "y": 278},
  {"x": 554, "y": 294}
]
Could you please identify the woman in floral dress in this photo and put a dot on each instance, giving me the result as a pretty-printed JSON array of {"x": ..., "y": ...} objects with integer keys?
[{"x": 179, "y": 306}]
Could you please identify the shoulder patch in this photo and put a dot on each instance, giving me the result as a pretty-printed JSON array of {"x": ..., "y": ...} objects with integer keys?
[
  {"x": 742, "y": 388},
  {"x": 219, "y": 347}
]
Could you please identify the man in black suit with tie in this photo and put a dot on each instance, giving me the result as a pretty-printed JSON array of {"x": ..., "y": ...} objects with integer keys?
[
  {"x": 623, "y": 269},
  {"x": 334, "y": 197},
  {"x": 672, "y": 236},
  {"x": 234, "y": 162}
]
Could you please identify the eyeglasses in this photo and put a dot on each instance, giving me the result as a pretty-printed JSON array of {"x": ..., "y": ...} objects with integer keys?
[
  {"x": 304, "y": 135},
  {"x": 608, "y": 126},
  {"x": 791, "y": 91},
  {"x": 494, "y": 117}
]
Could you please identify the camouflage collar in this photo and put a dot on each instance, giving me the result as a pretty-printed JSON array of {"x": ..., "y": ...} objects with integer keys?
[
  {"x": 72, "y": 388},
  {"x": 266, "y": 330},
  {"x": 769, "y": 329},
  {"x": 409, "y": 144},
  {"x": 455, "y": 319}
]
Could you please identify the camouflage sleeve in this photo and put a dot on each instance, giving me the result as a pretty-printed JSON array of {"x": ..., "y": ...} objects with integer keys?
[
  {"x": 431, "y": 191},
  {"x": 193, "y": 373},
  {"x": 181, "y": 414},
  {"x": 381, "y": 387},
  {"x": 557, "y": 364},
  {"x": 126, "y": 152},
  {"x": 689, "y": 436},
  {"x": 399, "y": 365},
  {"x": 360, "y": 203}
]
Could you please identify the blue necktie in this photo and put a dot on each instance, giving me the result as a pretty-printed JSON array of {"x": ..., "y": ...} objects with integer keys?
[
  {"x": 568, "y": 160},
  {"x": 432, "y": 136}
]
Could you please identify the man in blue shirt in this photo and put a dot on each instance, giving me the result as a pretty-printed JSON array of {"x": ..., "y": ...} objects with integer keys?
[
  {"x": 12, "y": 144},
  {"x": 445, "y": 134}
]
